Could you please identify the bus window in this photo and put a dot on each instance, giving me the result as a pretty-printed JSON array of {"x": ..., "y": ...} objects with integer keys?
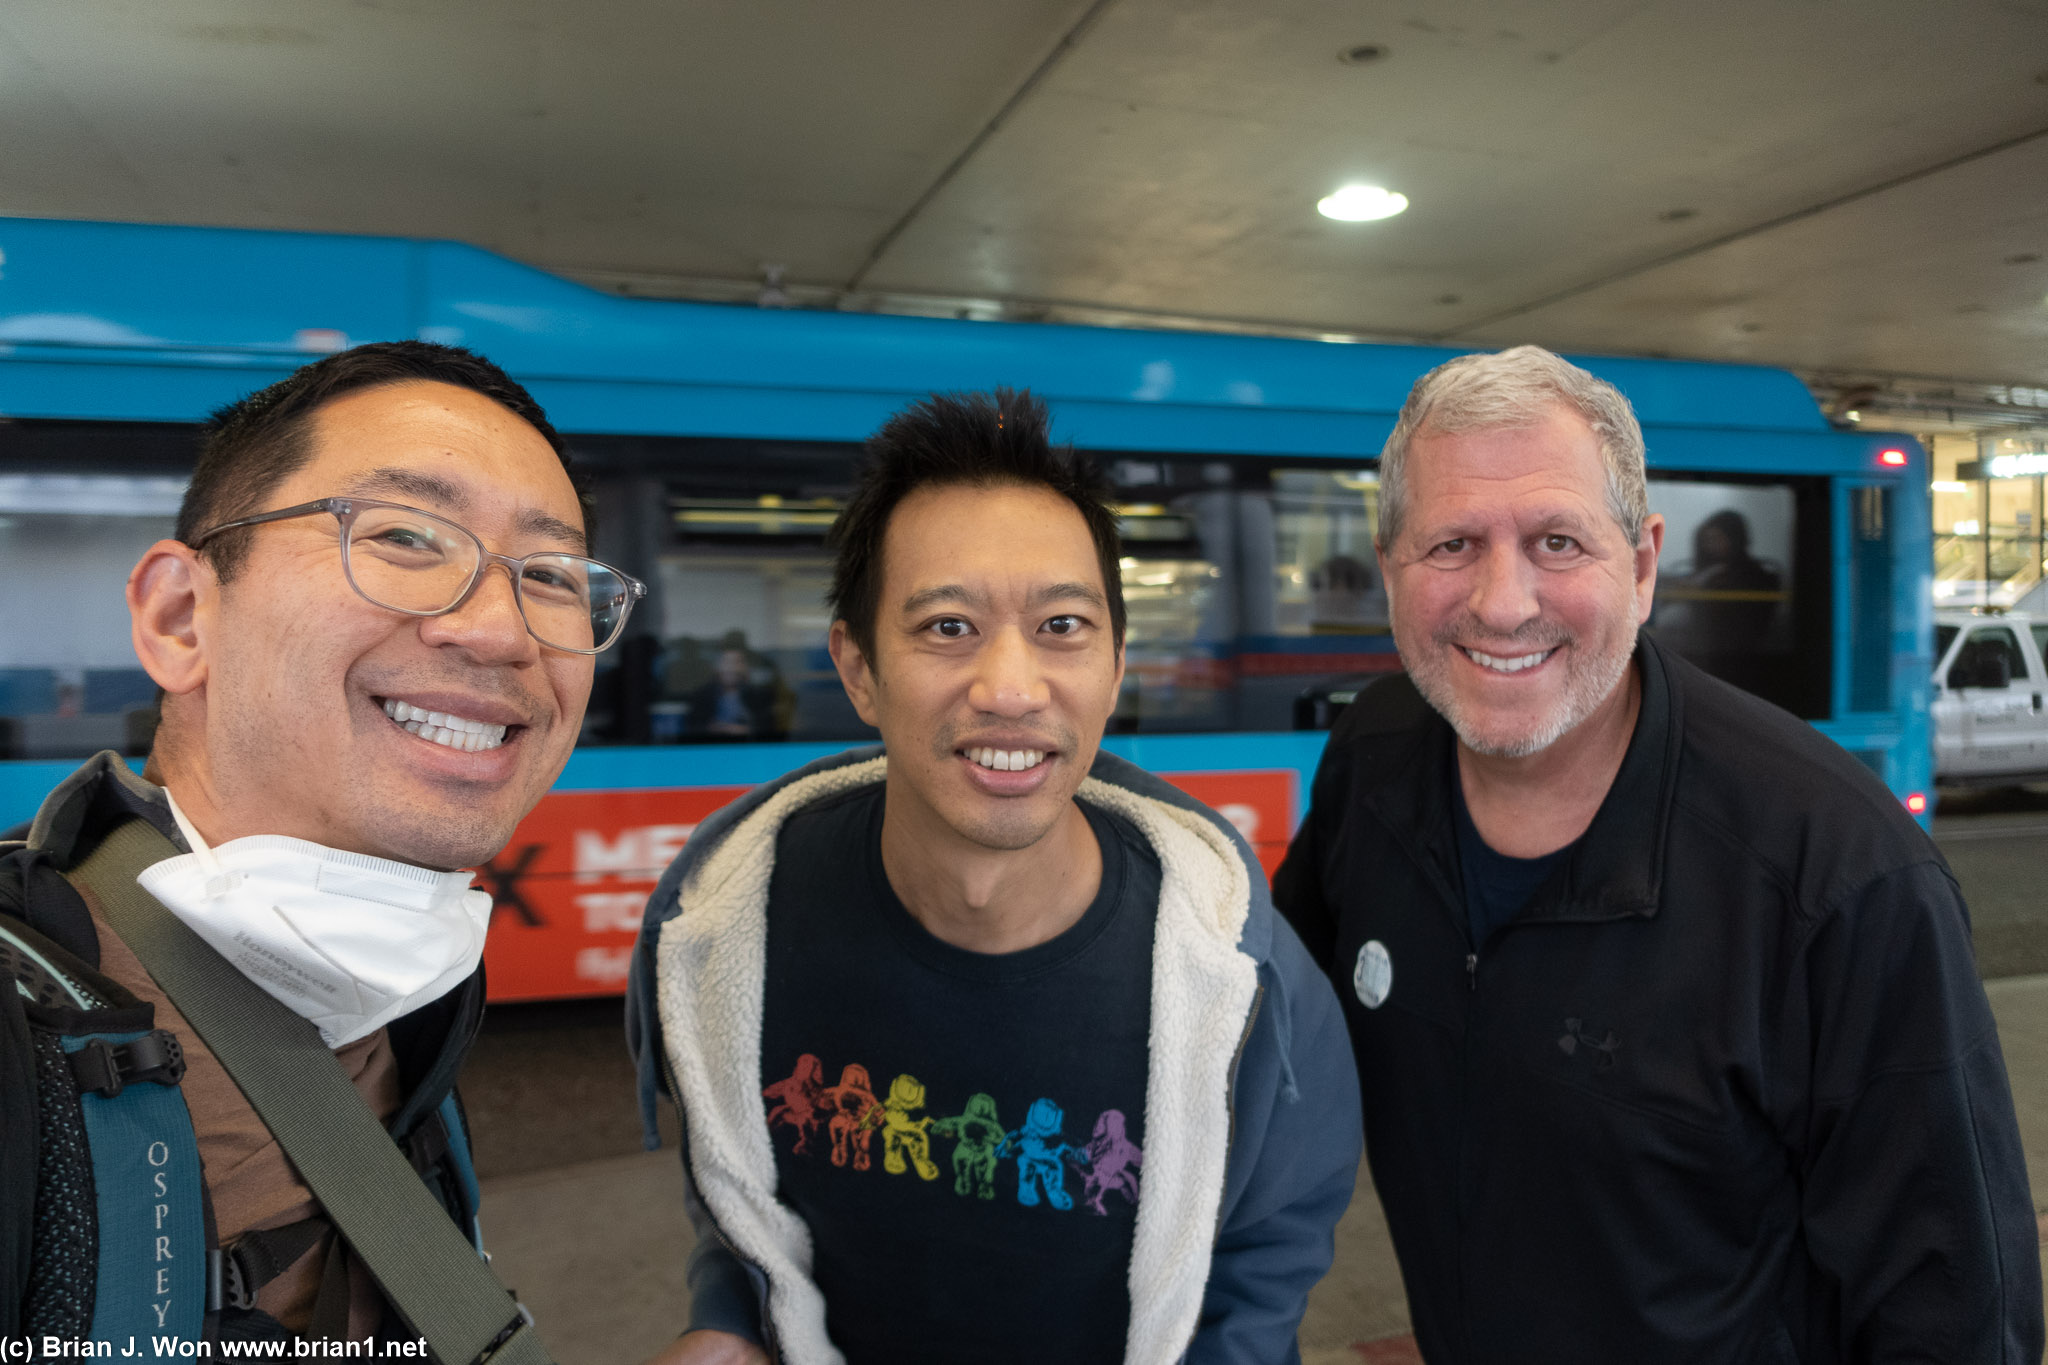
[
  {"x": 69, "y": 681},
  {"x": 1178, "y": 618},
  {"x": 1326, "y": 577},
  {"x": 1315, "y": 613},
  {"x": 1741, "y": 584},
  {"x": 743, "y": 651}
]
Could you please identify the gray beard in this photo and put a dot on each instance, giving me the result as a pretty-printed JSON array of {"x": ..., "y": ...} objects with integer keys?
[{"x": 1588, "y": 686}]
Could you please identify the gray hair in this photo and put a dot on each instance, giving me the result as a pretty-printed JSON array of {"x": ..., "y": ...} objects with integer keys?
[{"x": 1517, "y": 388}]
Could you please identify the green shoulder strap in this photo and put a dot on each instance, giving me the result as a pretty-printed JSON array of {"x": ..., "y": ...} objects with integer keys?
[{"x": 369, "y": 1190}]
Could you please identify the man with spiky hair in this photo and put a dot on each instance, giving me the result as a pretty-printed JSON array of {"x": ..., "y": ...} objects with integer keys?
[
  {"x": 1665, "y": 1012},
  {"x": 1037, "y": 932}
]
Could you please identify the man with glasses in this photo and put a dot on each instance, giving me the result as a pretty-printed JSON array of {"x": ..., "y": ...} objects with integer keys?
[{"x": 374, "y": 633}]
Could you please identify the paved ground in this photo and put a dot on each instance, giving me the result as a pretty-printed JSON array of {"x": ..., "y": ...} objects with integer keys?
[
  {"x": 591, "y": 1231},
  {"x": 1997, "y": 844}
]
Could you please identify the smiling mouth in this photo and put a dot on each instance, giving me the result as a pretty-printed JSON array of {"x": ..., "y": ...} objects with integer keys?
[
  {"x": 1005, "y": 760},
  {"x": 448, "y": 731},
  {"x": 1495, "y": 663}
]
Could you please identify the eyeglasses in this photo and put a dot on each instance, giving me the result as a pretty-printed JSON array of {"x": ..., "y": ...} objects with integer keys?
[{"x": 409, "y": 561}]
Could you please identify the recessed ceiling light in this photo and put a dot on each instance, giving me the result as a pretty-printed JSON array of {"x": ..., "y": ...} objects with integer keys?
[{"x": 1361, "y": 204}]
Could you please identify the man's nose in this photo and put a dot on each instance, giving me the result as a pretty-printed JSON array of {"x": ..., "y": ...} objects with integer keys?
[
  {"x": 1504, "y": 588},
  {"x": 487, "y": 623},
  {"x": 1008, "y": 680}
]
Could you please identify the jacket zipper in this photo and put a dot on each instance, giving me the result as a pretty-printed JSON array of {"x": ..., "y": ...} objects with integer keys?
[
  {"x": 1464, "y": 1119},
  {"x": 675, "y": 1095}
]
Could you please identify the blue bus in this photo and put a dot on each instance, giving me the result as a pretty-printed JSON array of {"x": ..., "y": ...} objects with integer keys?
[{"x": 720, "y": 441}]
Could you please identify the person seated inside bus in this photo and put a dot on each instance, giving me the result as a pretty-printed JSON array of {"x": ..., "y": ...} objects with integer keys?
[
  {"x": 737, "y": 701},
  {"x": 988, "y": 1045},
  {"x": 1345, "y": 598},
  {"x": 1731, "y": 596},
  {"x": 735, "y": 694}
]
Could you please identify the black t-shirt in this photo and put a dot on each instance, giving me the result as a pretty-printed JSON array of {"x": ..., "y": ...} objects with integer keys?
[
  {"x": 1497, "y": 887},
  {"x": 961, "y": 1131}
]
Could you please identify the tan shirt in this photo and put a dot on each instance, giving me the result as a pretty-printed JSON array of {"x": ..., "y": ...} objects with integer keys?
[{"x": 251, "y": 1181}]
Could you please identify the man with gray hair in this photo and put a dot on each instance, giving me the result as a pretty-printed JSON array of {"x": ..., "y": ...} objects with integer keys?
[{"x": 1666, "y": 1016}]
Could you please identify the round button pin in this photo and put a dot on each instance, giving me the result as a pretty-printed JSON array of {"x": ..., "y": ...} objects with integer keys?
[{"x": 1373, "y": 977}]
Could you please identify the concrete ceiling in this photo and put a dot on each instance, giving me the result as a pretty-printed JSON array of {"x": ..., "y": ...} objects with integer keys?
[{"x": 1845, "y": 186}]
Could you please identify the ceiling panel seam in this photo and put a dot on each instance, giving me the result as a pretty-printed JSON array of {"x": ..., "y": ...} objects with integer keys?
[
  {"x": 1068, "y": 41},
  {"x": 1743, "y": 233}
]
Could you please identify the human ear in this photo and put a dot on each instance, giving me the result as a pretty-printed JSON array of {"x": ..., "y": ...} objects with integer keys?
[
  {"x": 1646, "y": 552},
  {"x": 855, "y": 675},
  {"x": 170, "y": 594}
]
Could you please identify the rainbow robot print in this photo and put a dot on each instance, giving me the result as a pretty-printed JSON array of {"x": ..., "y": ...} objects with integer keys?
[{"x": 852, "y": 1114}]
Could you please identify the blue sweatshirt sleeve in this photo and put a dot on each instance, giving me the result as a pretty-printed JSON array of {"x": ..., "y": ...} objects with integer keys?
[
  {"x": 1293, "y": 1166},
  {"x": 725, "y": 1292}
]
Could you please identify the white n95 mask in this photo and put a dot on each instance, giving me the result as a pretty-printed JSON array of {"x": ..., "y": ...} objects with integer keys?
[{"x": 346, "y": 941}]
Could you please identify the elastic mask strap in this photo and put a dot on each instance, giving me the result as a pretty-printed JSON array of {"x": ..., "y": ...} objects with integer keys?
[{"x": 219, "y": 881}]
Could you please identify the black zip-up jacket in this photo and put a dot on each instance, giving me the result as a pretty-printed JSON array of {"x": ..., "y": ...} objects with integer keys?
[{"x": 1727, "y": 1090}]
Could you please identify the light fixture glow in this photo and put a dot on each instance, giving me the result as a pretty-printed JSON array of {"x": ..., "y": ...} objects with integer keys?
[
  {"x": 2019, "y": 466},
  {"x": 1361, "y": 204}
]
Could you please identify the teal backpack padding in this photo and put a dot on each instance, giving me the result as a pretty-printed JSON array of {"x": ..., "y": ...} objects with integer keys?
[
  {"x": 149, "y": 1189},
  {"x": 463, "y": 1162},
  {"x": 123, "y": 1236}
]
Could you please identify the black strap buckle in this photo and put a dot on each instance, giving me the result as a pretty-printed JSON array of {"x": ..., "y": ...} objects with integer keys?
[
  {"x": 254, "y": 1259},
  {"x": 521, "y": 1319},
  {"x": 235, "y": 1291},
  {"x": 428, "y": 1145},
  {"x": 105, "y": 1068}
]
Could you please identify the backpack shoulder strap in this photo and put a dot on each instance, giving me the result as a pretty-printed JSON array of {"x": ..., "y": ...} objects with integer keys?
[{"x": 419, "y": 1258}]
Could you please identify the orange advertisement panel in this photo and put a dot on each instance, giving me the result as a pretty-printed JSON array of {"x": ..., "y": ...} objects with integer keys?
[
  {"x": 1259, "y": 803},
  {"x": 569, "y": 889}
]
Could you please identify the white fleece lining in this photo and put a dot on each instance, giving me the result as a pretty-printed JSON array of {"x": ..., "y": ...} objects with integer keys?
[
  {"x": 711, "y": 965},
  {"x": 1202, "y": 991},
  {"x": 710, "y": 969}
]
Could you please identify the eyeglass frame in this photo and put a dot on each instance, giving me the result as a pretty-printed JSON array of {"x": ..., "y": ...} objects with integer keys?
[{"x": 344, "y": 511}]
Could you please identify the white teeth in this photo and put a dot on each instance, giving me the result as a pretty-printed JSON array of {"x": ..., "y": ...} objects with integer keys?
[
  {"x": 438, "y": 727},
  {"x": 1007, "y": 760},
  {"x": 1515, "y": 665}
]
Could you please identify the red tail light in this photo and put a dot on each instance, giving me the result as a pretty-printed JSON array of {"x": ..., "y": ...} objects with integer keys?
[
  {"x": 1892, "y": 459},
  {"x": 1916, "y": 802}
]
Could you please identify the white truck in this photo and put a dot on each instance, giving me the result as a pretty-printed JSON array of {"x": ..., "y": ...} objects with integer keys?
[{"x": 1990, "y": 698}]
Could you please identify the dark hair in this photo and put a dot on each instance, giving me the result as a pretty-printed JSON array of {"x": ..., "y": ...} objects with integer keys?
[
  {"x": 952, "y": 439},
  {"x": 256, "y": 443}
]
